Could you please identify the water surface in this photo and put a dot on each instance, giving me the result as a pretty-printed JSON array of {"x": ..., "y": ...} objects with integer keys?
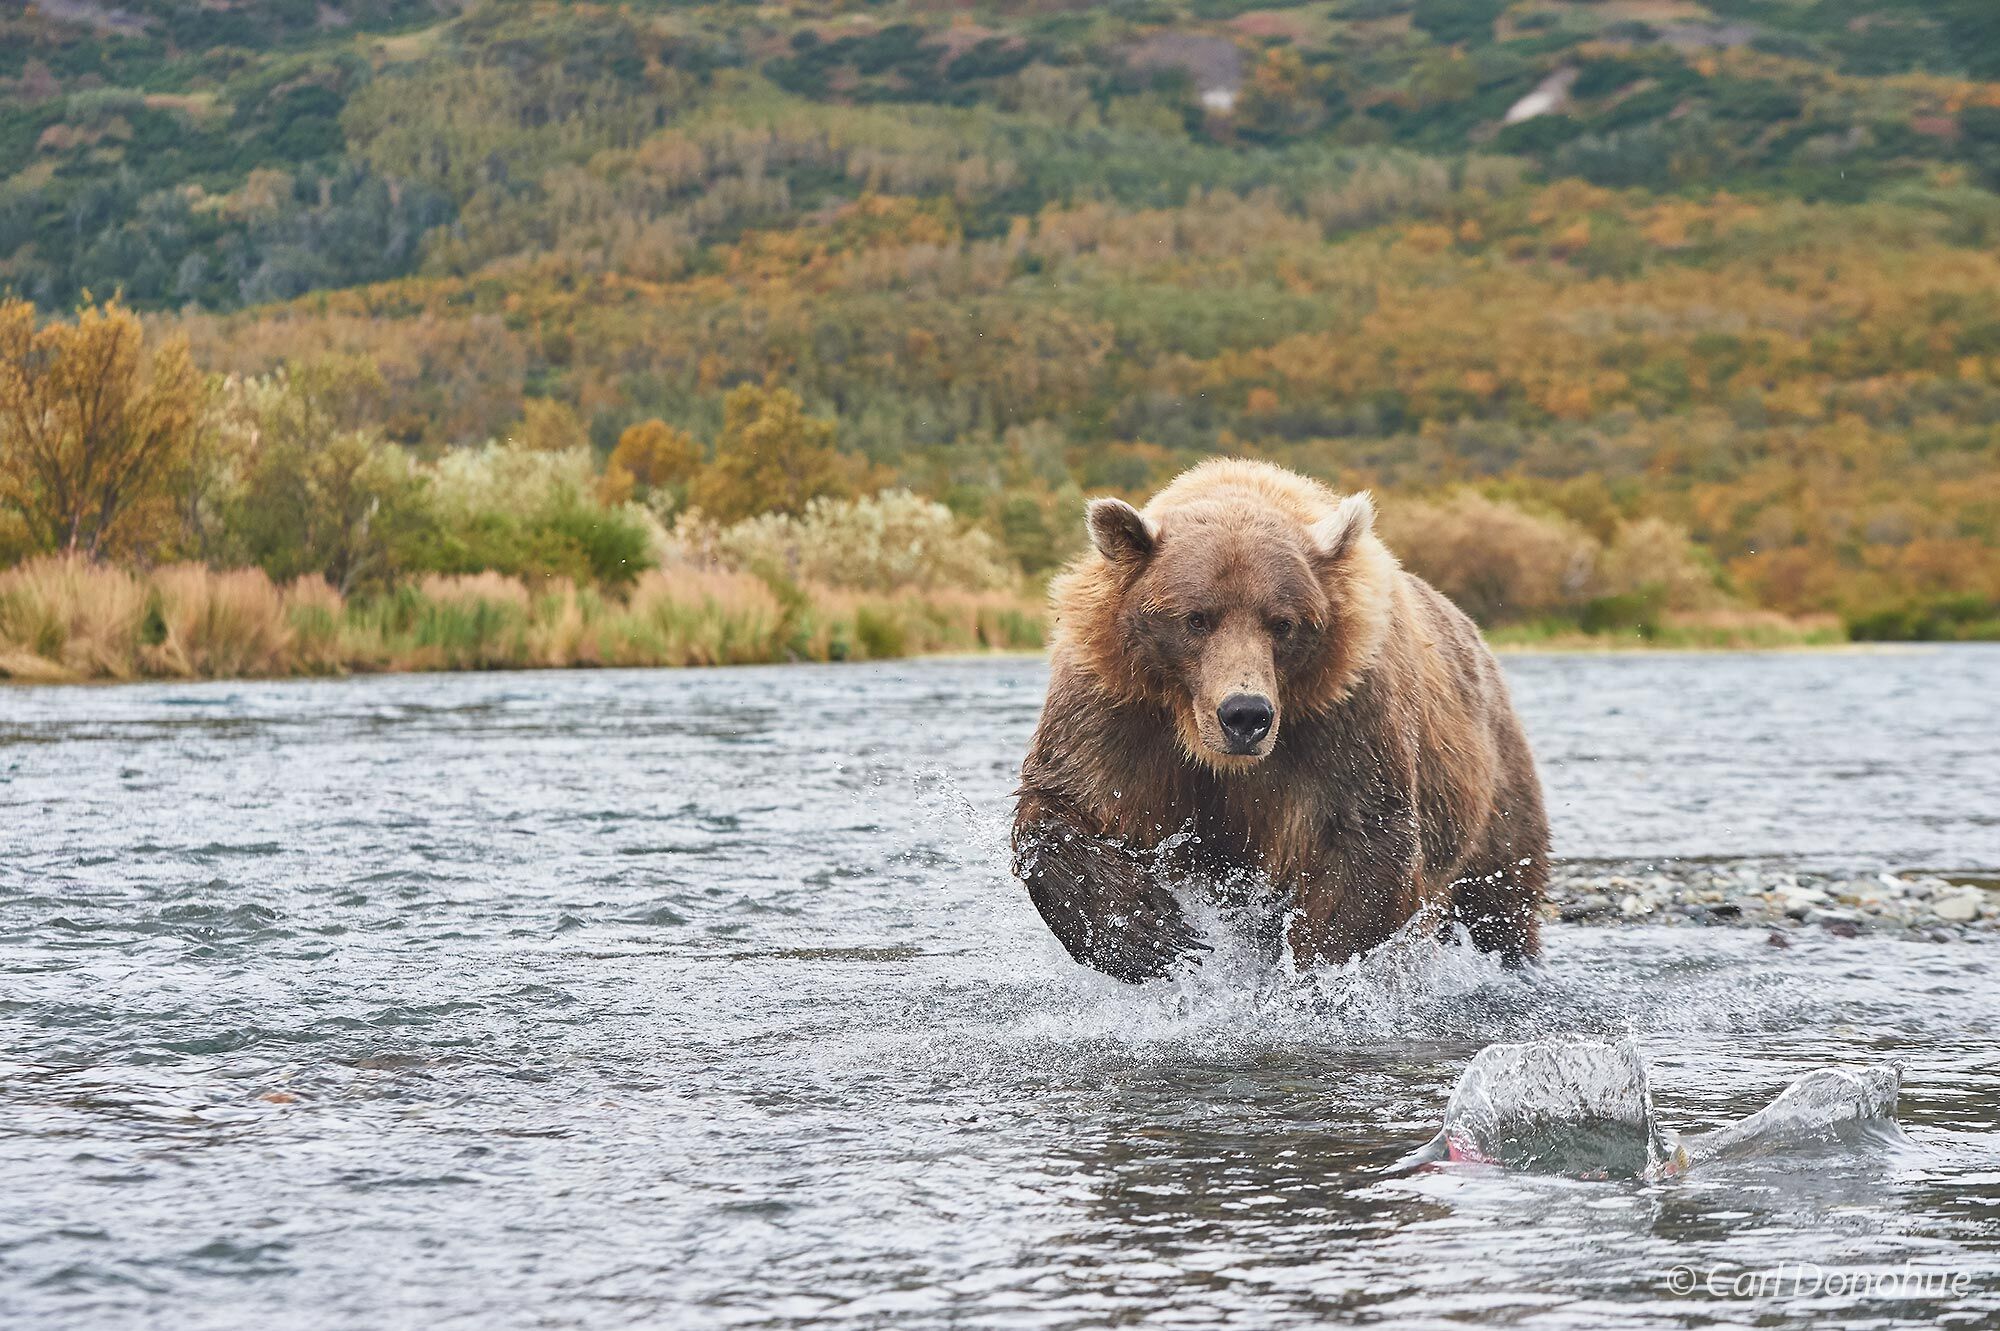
[{"x": 703, "y": 998}]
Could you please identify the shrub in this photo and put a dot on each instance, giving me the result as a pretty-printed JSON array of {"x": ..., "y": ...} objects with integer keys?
[
  {"x": 1499, "y": 563},
  {"x": 878, "y": 634},
  {"x": 1024, "y": 527},
  {"x": 550, "y": 426},
  {"x": 1624, "y": 612},
  {"x": 885, "y": 542},
  {"x": 1654, "y": 560},
  {"x": 514, "y": 510},
  {"x": 1952, "y": 618},
  {"x": 1453, "y": 22},
  {"x": 652, "y": 463}
]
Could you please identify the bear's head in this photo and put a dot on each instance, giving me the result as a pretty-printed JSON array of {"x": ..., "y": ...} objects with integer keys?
[{"x": 1241, "y": 595}]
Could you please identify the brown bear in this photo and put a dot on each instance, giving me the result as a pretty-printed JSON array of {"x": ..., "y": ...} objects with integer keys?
[{"x": 1246, "y": 686}]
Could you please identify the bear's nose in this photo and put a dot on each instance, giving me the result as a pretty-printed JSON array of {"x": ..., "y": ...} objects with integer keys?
[{"x": 1246, "y": 718}]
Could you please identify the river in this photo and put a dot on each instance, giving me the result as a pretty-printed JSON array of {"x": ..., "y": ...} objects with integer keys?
[{"x": 704, "y": 998}]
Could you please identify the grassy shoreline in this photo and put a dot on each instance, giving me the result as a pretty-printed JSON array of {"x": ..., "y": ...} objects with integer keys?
[
  {"x": 70, "y": 621},
  {"x": 66, "y": 621},
  {"x": 1692, "y": 631}
]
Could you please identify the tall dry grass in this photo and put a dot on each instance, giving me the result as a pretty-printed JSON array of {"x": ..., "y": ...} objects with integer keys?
[
  {"x": 702, "y": 617},
  {"x": 884, "y": 625},
  {"x": 316, "y": 615},
  {"x": 65, "y": 620},
  {"x": 204, "y": 623},
  {"x": 1728, "y": 629}
]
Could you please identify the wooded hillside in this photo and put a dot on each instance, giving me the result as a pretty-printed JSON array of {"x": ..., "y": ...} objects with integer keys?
[{"x": 1725, "y": 268}]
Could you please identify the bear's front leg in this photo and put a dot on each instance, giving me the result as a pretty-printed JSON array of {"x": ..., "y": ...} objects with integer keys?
[
  {"x": 1368, "y": 885},
  {"x": 1097, "y": 897}
]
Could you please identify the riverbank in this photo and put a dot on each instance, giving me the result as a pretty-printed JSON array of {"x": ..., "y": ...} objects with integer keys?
[
  {"x": 65, "y": 621},
  {"x": 1694, "y": 630},
  {"x": 68, "y": 622},
  {"x": 1931, "y": 906}
]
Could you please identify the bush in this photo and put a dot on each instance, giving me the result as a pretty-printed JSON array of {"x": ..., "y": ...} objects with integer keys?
[
  {"x": 886, "y": 542},
  {"x": 1627, "y": 612},
  {"x": 518, "y": 511},
  {"x": 550, "y": 426},
  {"x": 1024, "y": 527},
  {"x": 653, "y": 463},
  {"x": 1498, "y": 563},
  {"x": 878, "y": 634},
  {"x": 1962, "y": 618},
  {"x": 1656, "y": 561},
  {"x": 1505, "y": 564}
]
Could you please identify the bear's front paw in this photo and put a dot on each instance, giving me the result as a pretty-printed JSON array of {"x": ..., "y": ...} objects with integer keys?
[
  {"x": 1148, "y": 941},
  {"x": 1141, "y": 935}
]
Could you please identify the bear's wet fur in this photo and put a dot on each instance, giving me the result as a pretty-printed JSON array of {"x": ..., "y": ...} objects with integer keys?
[{"x": 1368, "y": 765}]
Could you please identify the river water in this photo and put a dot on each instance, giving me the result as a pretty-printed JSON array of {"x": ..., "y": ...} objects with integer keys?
[{"x": 704, "y": 998}]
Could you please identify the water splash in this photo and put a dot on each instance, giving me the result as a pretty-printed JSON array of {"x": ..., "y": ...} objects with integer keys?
[
  {"x": 1833, "y": 1106},
  {"x": 1572, "y": 1107},
  {"x": 1585, "y": 1109}
]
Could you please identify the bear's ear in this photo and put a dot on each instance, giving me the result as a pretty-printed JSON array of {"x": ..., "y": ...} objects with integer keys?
[
  {"x": 1336, "y": 534},
  {"x": 1120, "y": 532}
]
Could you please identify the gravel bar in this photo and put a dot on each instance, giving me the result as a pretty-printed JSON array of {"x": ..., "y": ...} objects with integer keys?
[{"x": 1905, "y": 905}]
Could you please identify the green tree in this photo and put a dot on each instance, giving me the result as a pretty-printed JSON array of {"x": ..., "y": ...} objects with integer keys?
[
  {"x": 323, "y": 491},
  {"x": 1457, "y": 22},
  {"x": 1974, "y": 29},
  {"x": 1024, "y": 532},
  {"x": 1278, "y": 101}
]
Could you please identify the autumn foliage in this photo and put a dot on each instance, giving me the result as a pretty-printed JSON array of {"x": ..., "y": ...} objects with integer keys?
[
  {"x": 771, "y": 457},
  {"x": 652, "y": 458},
  {"x": 93, "y": 426},
  {"x": 555, "y": 292}
]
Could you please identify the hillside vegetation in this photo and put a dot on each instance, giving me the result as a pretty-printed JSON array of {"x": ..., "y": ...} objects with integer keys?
[{"x": 1633, "y": 309}]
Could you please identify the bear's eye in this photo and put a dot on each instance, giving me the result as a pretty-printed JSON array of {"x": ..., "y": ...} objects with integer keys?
[
  {"x": 1282, "y": 628},
  {"x": 1199, "y": 622}
]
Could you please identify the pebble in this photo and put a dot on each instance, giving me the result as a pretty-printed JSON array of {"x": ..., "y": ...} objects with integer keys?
[
  {"x": 1917, "y": 905},
  {"x": 1961, "y": 908},
  {"x": 1587, "y": 907}
]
